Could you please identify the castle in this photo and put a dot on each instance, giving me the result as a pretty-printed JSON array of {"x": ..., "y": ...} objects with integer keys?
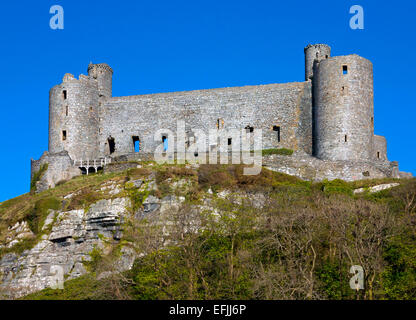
[{"x": 328, "y": 120}]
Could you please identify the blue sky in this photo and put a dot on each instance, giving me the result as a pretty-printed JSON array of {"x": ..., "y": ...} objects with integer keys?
[{"x": 161, "y": 46}]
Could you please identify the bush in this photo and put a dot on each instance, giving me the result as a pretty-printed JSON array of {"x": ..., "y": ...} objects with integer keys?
[
  {"x": 84, "y": 198},
  {"x": 96, "y": 256},
  {"x": 336, "y": 186},
  {"x": 299, "y": 243},
  {"x": 36, "y": 216},
  {"x": 85, "y": 287},
  {"x": 227, "y": 176},
  {"x": 137, "y": 172},
  {"x": 215, "y": 176},
  {"x": 137, "y": 197}
]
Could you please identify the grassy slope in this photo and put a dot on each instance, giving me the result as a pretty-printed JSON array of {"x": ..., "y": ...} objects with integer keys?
[{"x": 240, "y": 263}]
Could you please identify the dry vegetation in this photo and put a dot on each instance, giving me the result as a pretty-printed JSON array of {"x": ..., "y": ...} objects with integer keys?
[{"x": 298, "y": 244}]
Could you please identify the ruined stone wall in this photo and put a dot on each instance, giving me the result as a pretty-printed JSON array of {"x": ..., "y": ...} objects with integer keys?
[
  {"x": 103, "y": 73},
  {"x": 59, "y": 168},
  {"x": 380, "y": 148},
  {"x": 310, "y": 168},
  {"x": 315, "y": 52},
  {"x": 287, "y": 106},
  {"x": 330, "y": 117},
  {"x": 343, "y": 108}
]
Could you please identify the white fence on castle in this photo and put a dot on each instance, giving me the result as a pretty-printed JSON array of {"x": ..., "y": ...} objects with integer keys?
[{"x": 91, "y": 163}]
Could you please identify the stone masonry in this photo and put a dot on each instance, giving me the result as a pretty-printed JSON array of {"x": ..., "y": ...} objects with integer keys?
[{"x": 328, "y": 120}]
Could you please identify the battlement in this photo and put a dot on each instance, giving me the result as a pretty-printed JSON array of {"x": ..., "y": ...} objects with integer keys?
[
  {"x": 223, "y": 90},
  {"x": 317, "y": 45},
  {"x": 100, "y": 66},
  {"x": 328, "y": 117}
]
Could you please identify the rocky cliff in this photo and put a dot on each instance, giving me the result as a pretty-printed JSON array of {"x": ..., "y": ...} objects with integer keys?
[{"x": 103, "y": 223}]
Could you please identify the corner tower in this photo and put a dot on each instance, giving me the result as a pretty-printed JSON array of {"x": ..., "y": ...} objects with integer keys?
[
  {"x": 343, "y": 108},
  {"x": 315, "y": 52},
  {"x": 103, "y": 73},
  {"x": 73, "y": 117}
]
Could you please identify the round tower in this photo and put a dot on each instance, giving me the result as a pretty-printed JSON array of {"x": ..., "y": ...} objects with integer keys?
[
  {"x": 73, "y": 117},
  {"x": 343, "y": 108},
  {"x": 314, "y": 52},
  {"x": 104, "y": 75}
]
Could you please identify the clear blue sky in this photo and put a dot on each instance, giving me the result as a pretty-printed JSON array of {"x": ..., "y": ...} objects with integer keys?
[{"x": 161, "y": 46}]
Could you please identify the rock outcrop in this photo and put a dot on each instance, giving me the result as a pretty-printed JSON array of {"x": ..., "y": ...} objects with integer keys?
[
  {"x": 69, "y": 237},
  {"x": 74, "y": 234}
]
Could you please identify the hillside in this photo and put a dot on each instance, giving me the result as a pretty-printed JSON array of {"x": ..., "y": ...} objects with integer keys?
[{"x": 209, "y": 232}]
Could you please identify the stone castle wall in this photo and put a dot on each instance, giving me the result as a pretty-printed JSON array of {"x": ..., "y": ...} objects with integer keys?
[
  {"x": 74, "y": 114},
  {"x": 328, "y": 117},
  {"x": 59, "y": 168},
  {"x": 104, "y": 76},
  {"x": 315, "y": 53},
  {"x": 380, "y": 147},
  {"x": 287, "y": 106},
  {"x": 343, "y": 106}
]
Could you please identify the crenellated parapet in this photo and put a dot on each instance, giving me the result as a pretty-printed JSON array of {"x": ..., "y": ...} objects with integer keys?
[
  {"x": 328, "y": 117},
  {"x": 103, "y": 73},
  {"x": 74, "y": 117},
  {"x": 99, "y": 67},
  {"x": 313, "y": 54}
]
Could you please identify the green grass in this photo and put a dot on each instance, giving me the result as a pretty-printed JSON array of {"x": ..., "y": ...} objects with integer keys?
[
  {"x": 249, "y": 253},
  {"x": 37, "y": 176},
  {"x": 336, "y": 186},
  {"x": 83, "y": 288},
  {"x": 281, "y": 151},
  {"x": 37, "y": 215},
  {"x": 226, "y": 260}
]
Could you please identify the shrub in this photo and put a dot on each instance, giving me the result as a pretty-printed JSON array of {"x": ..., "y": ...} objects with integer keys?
[
  {"x": 85, "y": 287},
  {"x": 96, "y": 256},
  {"x": 23, "y": 245},
  {"x": 137, "y": 172},
  {"x": 84, "y": 198},
  {"x": 215, "y": 176},
  {"x": 37, "y": 215},
  {"x": 336, "y": 186},
  {"x": 136, "y": 196},
  {"x": 226, "y": 176}
]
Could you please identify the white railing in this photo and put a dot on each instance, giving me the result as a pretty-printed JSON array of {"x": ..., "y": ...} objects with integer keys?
[{"x": 92, "y": 163}]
